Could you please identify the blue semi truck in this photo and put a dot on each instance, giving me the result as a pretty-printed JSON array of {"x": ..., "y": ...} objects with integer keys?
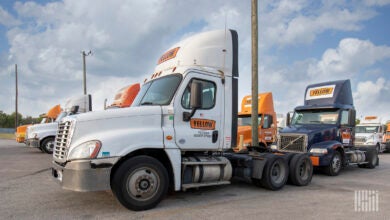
[{"x": 324, "y": 127}]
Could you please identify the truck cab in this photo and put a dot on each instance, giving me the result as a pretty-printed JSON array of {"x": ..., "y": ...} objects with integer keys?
[
  {"x": 386, "y": 138},
  {"x": 178, "y": 133},
  {"x": 369, "y": 133},
  {"x": 49, "y": 117},
  {"x": 267, "y": 119},
  {"x": 42, "y": 136},
  {"x": 325, "y": 127}
]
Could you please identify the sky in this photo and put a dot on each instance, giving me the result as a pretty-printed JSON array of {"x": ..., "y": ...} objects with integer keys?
[{"x": 300, "y": 42}]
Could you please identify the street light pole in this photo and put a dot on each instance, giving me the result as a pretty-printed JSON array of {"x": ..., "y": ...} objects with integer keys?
[
  {"x": 16, "y": 96},
  {"x": 85, "y": 70}
]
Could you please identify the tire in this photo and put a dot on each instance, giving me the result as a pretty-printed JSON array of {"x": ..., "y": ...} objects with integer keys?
[
  {"x": 140, "y": 183},
  {"x": 301, "y": 170},
  {"x": 372, "y": 158},
  {"x": 47, "y": 145},
  {"x": 334, "y": 168},
  {"x": 287, "y": 157},
  {"x": 41, "y": 149},
  {"x": 275, "y": 173}
]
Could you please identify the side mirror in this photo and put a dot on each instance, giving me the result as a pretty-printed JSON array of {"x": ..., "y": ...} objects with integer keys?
[
  {"x": 74, "y": 109},
  {"x": 196, "y": 95},
  {"x": 288, "y": 119},
  {"x": 195, "y": 101},
  {"x": 352, "y": 117}
]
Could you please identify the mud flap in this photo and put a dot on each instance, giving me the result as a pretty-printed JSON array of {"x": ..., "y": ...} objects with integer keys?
[{"x": 258, "y": 167}]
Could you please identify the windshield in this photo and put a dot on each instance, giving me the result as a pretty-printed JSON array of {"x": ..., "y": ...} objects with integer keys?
[
  {"x": 60, "y": 116},
  {"x": 43, "y": 120},
  {"x": 322, "y": 116},
  {"x": 158, "y": 92},
  {"x": 366, "y": 129},
  {"x": 246, "y": 120}
]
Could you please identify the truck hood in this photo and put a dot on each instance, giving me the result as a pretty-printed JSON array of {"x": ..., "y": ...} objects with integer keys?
[
  {"x": 118, "y": 113},
  {"x": 315, "y": 133},
  {"x": 119, "y": 129},
  {"x": 39, "y": 129}
]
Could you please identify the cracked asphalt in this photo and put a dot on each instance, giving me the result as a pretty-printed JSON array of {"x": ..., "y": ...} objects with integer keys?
[{"x": 27, "y": 191}]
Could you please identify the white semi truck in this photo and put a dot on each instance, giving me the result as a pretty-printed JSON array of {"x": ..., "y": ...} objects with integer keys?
[
  {"x": 369, "y": 133},
  {"x": 42, "y": 135},
  {"x": 178, "y": 133}
]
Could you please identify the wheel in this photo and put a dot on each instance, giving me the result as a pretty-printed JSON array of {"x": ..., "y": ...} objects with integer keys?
[
  {"x": 47, "y": 145},
  {"x": 372, "y": 158},
  {"x": 140, "y": 183},
  {"x": 301, "y": 170},
  {"x": 333, "y": 169},
  {"x": 287, "y": 157},
  {"x": 41, "y": 149},
  {"x": 275, "y": 173}
]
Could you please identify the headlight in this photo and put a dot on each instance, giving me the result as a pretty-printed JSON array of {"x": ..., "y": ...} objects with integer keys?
[
  {"x": 86, "y": 150},
  {"x": 274, "y": 147},
  {"x": 319, "y": 151}
]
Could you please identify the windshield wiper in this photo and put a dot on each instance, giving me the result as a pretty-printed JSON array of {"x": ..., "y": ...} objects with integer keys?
[
  {"x": 147, "y": 103},
  {"x": 318, "y": 122}
]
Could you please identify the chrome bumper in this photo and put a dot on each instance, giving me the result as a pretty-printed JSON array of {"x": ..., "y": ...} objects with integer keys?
[
  {"x": 84, "y": 175},
  {"x": 32, "y": 142}
]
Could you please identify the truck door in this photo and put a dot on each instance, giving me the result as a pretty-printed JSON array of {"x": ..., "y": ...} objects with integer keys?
[
  {"x": 347, "y": 132},
  {"x": 203, "y": 131}
]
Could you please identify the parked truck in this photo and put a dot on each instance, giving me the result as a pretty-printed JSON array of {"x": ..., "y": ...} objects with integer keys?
[
  {"x": 49, "y": 117},
  {"x": 178, "y": 133},
  {"x": 42, "y": 136},
  {"x": 325, "y": 127},
  {"x": 387, "y": 137},
  {"x": 369, "y": 133},
  {"x": 125, "y": 96},
  {"x": 267, "y": 121}
]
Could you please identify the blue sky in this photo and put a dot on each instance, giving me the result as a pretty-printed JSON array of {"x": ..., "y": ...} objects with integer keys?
[{"x": 300, "y": 42}]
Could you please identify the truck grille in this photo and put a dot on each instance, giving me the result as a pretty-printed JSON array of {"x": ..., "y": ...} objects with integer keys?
[
  {"x": 360, "y": 140},
  {"x": 62, "y": 141},
  {"x": 292, "y": 143}
]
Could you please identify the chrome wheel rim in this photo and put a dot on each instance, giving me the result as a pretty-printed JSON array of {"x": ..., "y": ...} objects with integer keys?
[
  {"x": 277, "y": 172},
  {"x": 336, "y": 163},
  {"x": 143, "y": 183}
]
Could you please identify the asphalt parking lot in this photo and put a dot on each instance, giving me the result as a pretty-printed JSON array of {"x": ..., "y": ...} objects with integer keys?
[{"x": 27, "y": 191}]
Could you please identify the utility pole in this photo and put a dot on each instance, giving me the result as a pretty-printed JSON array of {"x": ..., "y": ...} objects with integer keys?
[
  {"x": 16, "y": 96},
  {"x": 255, "y": 124},
  {"x": 85, "y": 70}
]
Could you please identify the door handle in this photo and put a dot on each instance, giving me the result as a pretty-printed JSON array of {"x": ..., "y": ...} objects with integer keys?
[{"x": 215, "y": 136}]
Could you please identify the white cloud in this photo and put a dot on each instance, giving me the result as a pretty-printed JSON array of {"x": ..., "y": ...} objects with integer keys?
[
  {"x": 291, "y": 23},
  {"x": 349, "y": 58},
  {"x": 127, "y": 37},
  {"x": 377, "y": 2},
  {"x": 371, "y": 98},
  {"x": 7, "y": 19}
]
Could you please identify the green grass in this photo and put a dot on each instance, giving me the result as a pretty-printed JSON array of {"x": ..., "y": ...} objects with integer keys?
[{"x": 7, "y": 136}]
